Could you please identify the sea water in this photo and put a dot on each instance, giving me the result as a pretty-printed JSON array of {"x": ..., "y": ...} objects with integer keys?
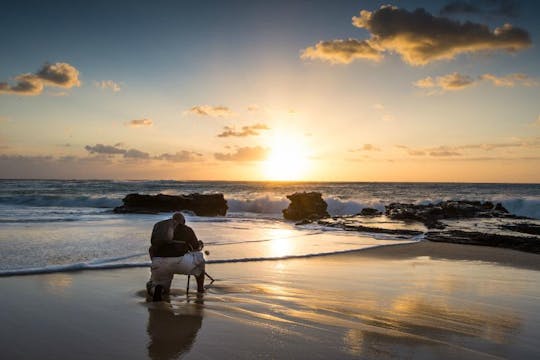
[{"x": 58, "y": 225}]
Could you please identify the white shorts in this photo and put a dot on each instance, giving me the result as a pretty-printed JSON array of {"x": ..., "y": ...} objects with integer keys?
[{"x": 164, "y": 268}]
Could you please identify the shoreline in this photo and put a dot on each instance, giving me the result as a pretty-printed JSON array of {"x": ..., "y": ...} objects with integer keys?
[{"x": 420, "y": 300}]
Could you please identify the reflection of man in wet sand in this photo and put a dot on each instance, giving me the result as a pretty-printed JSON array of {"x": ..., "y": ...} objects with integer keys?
[
  {"x": 175, "y": 250},
  {"x": 171, "y": 335}
]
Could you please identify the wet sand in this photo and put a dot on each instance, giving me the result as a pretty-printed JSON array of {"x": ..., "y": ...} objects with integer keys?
[{"x": 421, "y": 301}]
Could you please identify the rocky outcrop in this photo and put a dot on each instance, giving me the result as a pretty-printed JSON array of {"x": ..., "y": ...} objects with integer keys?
[
  {"x": 306, "y": 206},
  {"x": 200, "y": 204},
  {"x": 431, "y": 214}
]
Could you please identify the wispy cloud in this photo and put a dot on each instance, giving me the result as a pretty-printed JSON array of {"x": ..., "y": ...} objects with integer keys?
[
  {"x": 342, "y": 51},
  {"x": 252, "y": 130},
  {"x": 450, "y": 82},
  {"x": 141, "y": 123},
  {"x": 510, "y": 80},
  {"x": 368, "y": 147},
  {"x": 61, "y": 75},
  {"x": 108, "y": 85},
  {"x": 456, "y": 81},
  {"x": 212, "y": 111},
  {"x": 418, "y": 37},
  {"x": 256, "y": 153},
  {"x": 181, "y": 156},
  {"x": 461, "y": 150}
]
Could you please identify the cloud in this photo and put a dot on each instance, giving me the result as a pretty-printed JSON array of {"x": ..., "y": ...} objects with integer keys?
[
  {"x": 140, "y": 123},
  {"x": 212, "y": 111},
  {"x": 510, "y": 80},
  {"x": 26, "y": 84},
  {"x": 252, "y": 130},
  {"x": 450, "y": 151},
  {"x": 108, "y": 84},
  {"x": 181, "y": 156},
  {"x": 451, "y": 82},
  {"x": 104, "y": 149},
  {"x": 369, "y": 147},
  {"x": 418, "y": 37},
  {"x": 255, "y": 153},
  {"x": 509, "y": 8},
  {"x": 457, "y": 81},
  {"x": 253, "y": 107},
  {"x": 341, "y": 51},
  {"x": 136, "y": 154},
  {"x": 57, "y": 75}
]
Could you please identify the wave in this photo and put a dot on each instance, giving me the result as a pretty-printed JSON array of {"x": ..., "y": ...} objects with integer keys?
[
  {"x": 267, "y": 205},
  {"x": 62, "y": 201},
  {"x": 112, "y": 263}
]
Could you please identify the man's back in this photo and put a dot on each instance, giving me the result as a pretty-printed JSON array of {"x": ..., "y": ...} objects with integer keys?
[{"x": 162, "y": 233}]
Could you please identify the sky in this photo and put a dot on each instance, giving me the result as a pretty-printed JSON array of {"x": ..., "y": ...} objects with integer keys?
[{"x": 271, "y": 90}]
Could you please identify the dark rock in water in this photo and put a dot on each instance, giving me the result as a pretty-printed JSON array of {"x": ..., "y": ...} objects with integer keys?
[
  {"x": 523, "y": 228},
  {"x": 432, "y": 213},
  {"x": 370, "y": 212},
  {"x": 529, "y": 244},
  {"x": 306, "y": 206},
  {"x": 200, "y": 204}
]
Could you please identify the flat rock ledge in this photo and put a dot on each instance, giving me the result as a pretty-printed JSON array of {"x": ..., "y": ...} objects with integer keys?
[{"x": 199, "y": 204}]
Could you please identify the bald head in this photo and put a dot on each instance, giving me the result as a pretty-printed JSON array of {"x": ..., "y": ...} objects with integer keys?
[{"x": 179, "y": 218}]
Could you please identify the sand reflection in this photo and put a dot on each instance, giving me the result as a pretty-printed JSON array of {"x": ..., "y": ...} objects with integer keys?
[
  {"x": 172, "y": 332},
  {"x": 58, "y": 283}
]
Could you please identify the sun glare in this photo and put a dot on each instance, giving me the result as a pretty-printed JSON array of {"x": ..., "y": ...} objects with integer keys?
[{"x": 288, "y": 160}]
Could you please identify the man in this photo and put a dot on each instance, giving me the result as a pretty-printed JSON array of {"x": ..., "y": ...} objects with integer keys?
[{"x": 175, "y": 249}]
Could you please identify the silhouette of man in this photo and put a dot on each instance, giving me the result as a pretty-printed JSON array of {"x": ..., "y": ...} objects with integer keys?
[{"x": 175, "y": 249}]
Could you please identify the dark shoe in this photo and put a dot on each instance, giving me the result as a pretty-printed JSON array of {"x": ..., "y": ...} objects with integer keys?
[{"x": 158, "y": 292}]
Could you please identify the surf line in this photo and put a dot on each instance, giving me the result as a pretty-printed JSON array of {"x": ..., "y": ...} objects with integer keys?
[{"x": 103, "y": 266}]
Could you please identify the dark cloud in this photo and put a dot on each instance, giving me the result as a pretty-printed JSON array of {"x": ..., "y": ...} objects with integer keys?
[
  {"x": 418, "y": 37},
  {"x": 508, "y": 8},
  {"x": 136, "y": 154},
  {"x": 212, "y": 111},
  {"x": 255, "y": 153},
  {"x": 104, "y": 149},
  {"x": 58, "y": 75},
  {"x": 181, "y": 156},
  {"x": 252, "y": 130}
]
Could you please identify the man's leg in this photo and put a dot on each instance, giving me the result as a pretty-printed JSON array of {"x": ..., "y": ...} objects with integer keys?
[
  {"x": 200, "y": 280},
  {"x": 160, "y": 278}
]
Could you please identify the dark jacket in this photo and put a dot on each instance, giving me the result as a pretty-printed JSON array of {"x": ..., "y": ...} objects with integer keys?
[{"x": 184, "y": 240}]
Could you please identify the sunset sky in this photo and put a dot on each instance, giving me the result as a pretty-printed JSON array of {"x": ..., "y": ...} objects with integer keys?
[{"x": 271, "y": 90}]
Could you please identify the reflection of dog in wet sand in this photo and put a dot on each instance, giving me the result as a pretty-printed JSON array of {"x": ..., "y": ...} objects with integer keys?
[{"x": 171, "y": 335}]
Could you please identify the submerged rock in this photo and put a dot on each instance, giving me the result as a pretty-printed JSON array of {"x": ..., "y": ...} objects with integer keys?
[
  {"x": 200, "y": 204},
  {"x": 306, "y": 206},
  {"x": 522, "y": 243},
  {"x": 370, "y": 212},
  {"x": 431, "y": 214}
]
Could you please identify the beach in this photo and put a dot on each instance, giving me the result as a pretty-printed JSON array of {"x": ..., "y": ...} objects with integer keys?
[{"x": 422, "y": 300}]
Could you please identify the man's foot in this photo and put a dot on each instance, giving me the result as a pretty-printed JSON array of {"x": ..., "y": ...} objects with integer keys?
[{"x": 158, "y": 293}]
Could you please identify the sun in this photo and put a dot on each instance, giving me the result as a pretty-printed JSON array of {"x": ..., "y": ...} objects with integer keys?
[{"x": 288, "y": 160}]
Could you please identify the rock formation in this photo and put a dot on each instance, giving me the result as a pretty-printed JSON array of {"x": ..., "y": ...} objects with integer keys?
[
  {"x": 306, "y": 206},
  {"x": 200, "y": 204}
]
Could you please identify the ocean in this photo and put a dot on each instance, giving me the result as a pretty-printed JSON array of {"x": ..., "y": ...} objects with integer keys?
[{"x": 58, "y": 225}]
